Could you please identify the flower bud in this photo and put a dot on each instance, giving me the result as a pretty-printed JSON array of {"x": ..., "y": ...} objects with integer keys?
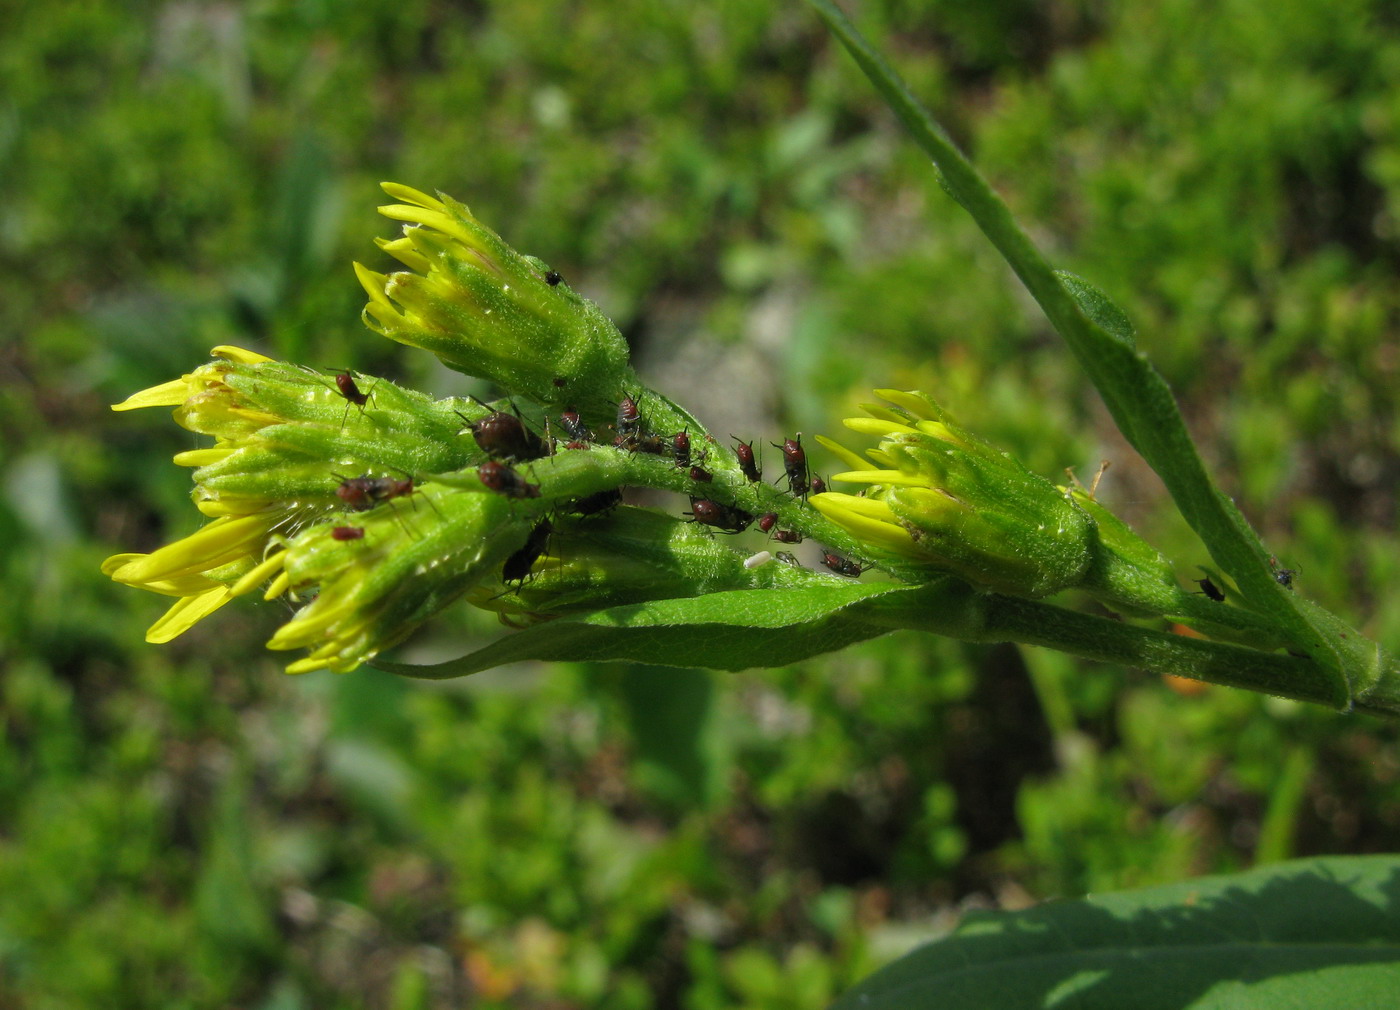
[
  {"x": 943, "y": 496},
  {"x": 381, "y": 575},
  {"x": 488, "y": 311}
]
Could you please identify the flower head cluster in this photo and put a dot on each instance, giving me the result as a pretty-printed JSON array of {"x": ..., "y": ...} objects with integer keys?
[
  {"x": 488, "y": 311},
  {"x": 940, "y": 495}
]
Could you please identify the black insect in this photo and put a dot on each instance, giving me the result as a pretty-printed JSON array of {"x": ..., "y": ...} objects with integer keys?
[
  {"x": 517, "y": 566},
  {"x": 552, "y": 278},
  {"x": 680, "y": 449},
  {"x": 573, "y": 425},
  {"x": 504, "y": 481},
  {"x": 721, "y": 517},
  {"x": 362, "y": 493},
  {"x": 598, "y": 501},
  {"x": 842, "y": 566},
  {"x": 795, "y": 464},
  {"x": 744, "y": 450},
  {"x": 1211, "y": 589},
  {"x": 347, "y": 533},
  {"x": 1284, "y": 577},
  {"x": 699, "y": 473},
  {"x": 505, "y": 436}
]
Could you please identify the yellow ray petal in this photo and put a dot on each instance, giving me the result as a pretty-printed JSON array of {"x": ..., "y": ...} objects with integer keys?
[
  {"x": 186, "y": 613},
  {"x": 167, "y": 394},
  {"x": 846, "y": 455},
  {"x": 410, "y": 195},
  {"x": 238, "y": 355}
]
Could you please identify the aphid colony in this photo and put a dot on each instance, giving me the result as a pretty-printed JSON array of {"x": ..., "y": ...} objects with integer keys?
[{"x": 507, "y": 441}]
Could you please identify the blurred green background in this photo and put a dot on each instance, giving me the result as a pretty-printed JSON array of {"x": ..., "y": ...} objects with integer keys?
[{"x": 183, "y": 826}]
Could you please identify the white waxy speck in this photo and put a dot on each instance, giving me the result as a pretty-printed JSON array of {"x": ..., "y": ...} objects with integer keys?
[{"x": 761, "y": 558}]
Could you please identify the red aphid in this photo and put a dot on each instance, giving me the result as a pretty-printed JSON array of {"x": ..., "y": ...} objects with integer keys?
[
  {"x": 347, "y": 533},
  {"x": 362, "y": 493},
  {"x": 747, "y": 463},
  {"x": 841, "y": 566},
  {"x": 766, "y": 521},
  {"x": 699, "y": 473},
  {"x": 795, "y": 464},
  {"x": 680, "y": 449},
  {"x": 504, "y": 481},
  {"x": 721, "y": 517}
]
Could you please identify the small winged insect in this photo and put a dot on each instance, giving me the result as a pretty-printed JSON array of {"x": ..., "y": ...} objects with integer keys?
[
  {"x": 841, "y": 566},
  {"x": 1283, "y": 576},
  {"x": 795, "y": 464},
  {"x": 1211, "y": 589},
  {"x": 788, "y": 558},
  {"x": 725, "y": 518},
  {"x": 504, "y": 481},
  {"x": 517, "y": 566},
  {"x": 505, "y": 436},
  {"x": 347, "y": 533},
  {"x": 747, "y": 464},
  {"x": 552, "y": 278}
]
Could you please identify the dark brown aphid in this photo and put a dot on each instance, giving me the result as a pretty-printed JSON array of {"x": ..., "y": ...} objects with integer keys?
[
  {"x": 653, "y": 444},
  {"x": 701, "y": 474},
  {"x": 573, "y": 425},
  {"x": 362, "y": 493},
  {"x": 818, "y": 485},
  {"x": 552, "y": 278},
  {"x": 721, "y": 517},
  {"x": 747, "y": 463},
  {"x": 680, "y": 449},
  {"x": 517, "y": 566},
  {"x": 787, "y": 536},
  {"x": 1211, "y": 589},
  {"x": 841, "y": 566},
  {"x": 795, "y": 464},
  {"x": 346, "y": 387},
  {"x": 504, "y": 481},
  {"x": 347, "y": 533},
  {"x": 504, "y": 436},
  {"x": 598, "y": 501},
  {"x": 766, "y": 521},
  {"x": 577, "y": 445}
]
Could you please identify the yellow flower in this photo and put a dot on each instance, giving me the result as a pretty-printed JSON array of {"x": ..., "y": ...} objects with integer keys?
[
  {"x": 206, "y": 569},
  {"x": 940, "y": 495}
]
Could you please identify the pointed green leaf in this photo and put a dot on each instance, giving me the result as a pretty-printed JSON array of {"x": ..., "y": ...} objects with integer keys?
[{"x": 1311, "y": 933}]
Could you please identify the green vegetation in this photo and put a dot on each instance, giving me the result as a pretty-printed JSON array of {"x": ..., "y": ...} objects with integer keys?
[{"x": 183, "y": 826}]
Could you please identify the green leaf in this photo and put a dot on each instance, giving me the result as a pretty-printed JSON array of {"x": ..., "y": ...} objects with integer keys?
[
  {"x": 1312, "y": 933},
  {"x": 731, "y": 631},
  {"x": 1137, "y": 397}
]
